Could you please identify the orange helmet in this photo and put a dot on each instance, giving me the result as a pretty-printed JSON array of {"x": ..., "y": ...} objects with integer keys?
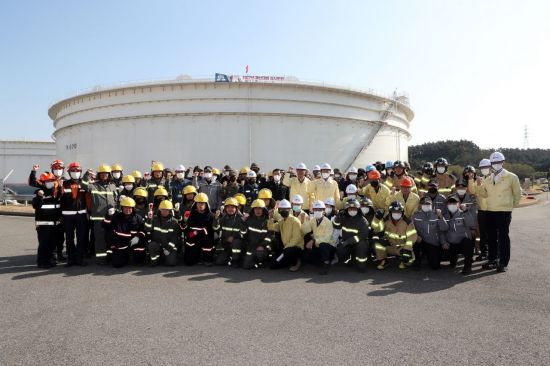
[
  {"x": 373, "y": 175},
  {"x": 46, "y": 177},
  {"x": 57, "y": 164},
  {"x": 406, "y": 182},
  {"x": 75, "y": 167}
]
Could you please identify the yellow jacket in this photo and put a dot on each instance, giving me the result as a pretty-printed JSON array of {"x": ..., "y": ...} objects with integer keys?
[
  {"x": 379, "y": 199},
  {"x": 503, "y": 195},
  {"x": 290, "y": 229},
  {"x": 400, "y": 233},
  {"x": 321, "y": 233},
  {"x": 446, "y": 184},
  {"x": 297, "y": 187},
  {"x": 321, "y": 190},
  {"x": 411, "y": 205},
  {"x": 474, "y": 189}
]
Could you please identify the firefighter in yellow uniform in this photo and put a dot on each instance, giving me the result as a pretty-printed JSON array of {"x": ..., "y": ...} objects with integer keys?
[
  {"x": 446, "y": 181},
  {"x": 324, "y": 187},
  {"x": 377, "y": 192},
  {"x": 400, "y": 174},
  {"x": 409, "y": 200},
  {"x": 396, "y": 236},
  {"x": 298, "y": 184}
]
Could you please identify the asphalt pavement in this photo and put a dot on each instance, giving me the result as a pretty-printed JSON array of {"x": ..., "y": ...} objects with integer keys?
[{"x": 196, "y": 315}]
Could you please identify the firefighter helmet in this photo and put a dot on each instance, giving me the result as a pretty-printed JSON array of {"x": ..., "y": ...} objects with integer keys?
[
  {"x": 160, "y": 191},
  {"x": 166, "y": 205},
  {"x": 127, "y": 202},
  {"x": 75, "y": 167},
  {"x": 116, "y": 167},
  {"x": 396, "y": 206},
  {"x": 128, "y": 179},
  {"x": 189, "y": 189},
  {"x": 265, "y": 193},
  {"x": 46, "y": 177},
  {"x": 258, "y": 203},
  {"x": 57, "y": 164},
  {"x": 140, "y": 192},
  {"x": 241, "y": 198},
  {"x": 156, "y": 166},
  {"x": 201, "y": 198},
  {"x": 231, "y": 201},
  {"x": 136, "y": 174},
  {"x": 406, "y": 182},
  {"x": 104, "y": 168}
]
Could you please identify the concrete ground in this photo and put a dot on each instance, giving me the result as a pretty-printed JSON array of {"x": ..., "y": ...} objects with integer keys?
[{"x": 164, "y": 316}]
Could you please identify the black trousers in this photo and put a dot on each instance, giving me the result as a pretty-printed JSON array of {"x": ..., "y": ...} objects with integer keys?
[
  {"x": 75, "y": 224},
  {"x": 289, "y": 259},
  {"x": 432, "y": 252},
  {"x": 226, "y": 252},
  {"x": 47, "y": 237},
  {"x": 198, "y": 248},
  {"x": 59, "y": 238},
  {"x": 466, "y": 248},
  {"x": 357, "y": 253},
  {"x": 483, "y": 235},
  {"x": 255, "y": 256},
  {"x": 498, "y": 226}
]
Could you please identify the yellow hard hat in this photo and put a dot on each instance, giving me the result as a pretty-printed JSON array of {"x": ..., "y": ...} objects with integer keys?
[
  {"x": 127, "y": 202},
  {"x": 258, "y": 203},
  {"x": 201, "y": 197},
  {"x": 128, "y": 179},
  {"x": 189, "y": 189},
  {"x": 104, "y": 168},
  {"x": 157, "y": 166},
  {"x": 265, "y": 193},
  {"x": 244, "y": 170},
  {"x": 161, "y": 191},
  {"x": 136, "y": 174},
  {"x": 116, "y": 166},
  {"x": 166, "y": 205},
  {"x": 141, "y": 192},
  {"x": 215, "y": 171},
  {"x": 231, "y": 201},
  {"x": 241, "y": 198}
]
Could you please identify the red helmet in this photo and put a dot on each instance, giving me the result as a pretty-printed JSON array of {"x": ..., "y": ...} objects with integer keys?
[
  {"x": 373, "y": 175},
  {"x": 75, "y": 167},
  {"x": 58, "y": 164},
  {"x": 45, "y": 177},
  {"x": 406, "y": 182}
]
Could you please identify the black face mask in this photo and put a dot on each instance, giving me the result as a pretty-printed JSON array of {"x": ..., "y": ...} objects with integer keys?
[
  {"x": 374, "y": 183},
  {"x": 284, "y": 213},
  {"x": 432, "y": 190}
]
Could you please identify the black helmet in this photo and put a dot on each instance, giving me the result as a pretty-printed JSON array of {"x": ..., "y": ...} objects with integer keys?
[
  {"x": 366, "y": 202},
  {"x": 379, "y": 166},
  {"x": 469, "y": 169},
  {"x": 442, "y": 161},
  {"x": 428, "y": 168},
  {"x": 396, "y": 206},
  {"x": 398, "y": 163},
  {"x": 353, "y": 203},
  {"x": 407, "y": 166}
]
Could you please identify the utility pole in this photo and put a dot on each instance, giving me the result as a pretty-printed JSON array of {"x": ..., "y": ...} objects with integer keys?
[{"x": 525, "y": 137}]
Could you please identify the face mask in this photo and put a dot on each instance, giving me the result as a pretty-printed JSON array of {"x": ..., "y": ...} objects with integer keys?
[
  {"x": 325, "y": 175},
  {"x": 116, "y": 175},
  {"x": 352, "y": 177},
  {"x": 208, "y": 175},
  {"x": 277, "y": 178},
  {"x": 128, "y": 187},
  {"x": 432, "y": 190},
  {"x": 365, "y": 210},
  {"x": 328, "y": 210},
  {"x": 318, "y": 214},
  {"x": 374, "y": 183},
  {"x": 284, "y": 213},
  {"x": 214, "y": 178},
  {"x": 352, "y": 212},
  {"x": 351, "y": 196},
  {"x": 337, "y": 176},
  {"x": 58, "y": 172},
  {"x": 296, "y": 208},
  {"x": 225, "y": 173},
  {"x": 485, "y": 171},
  {"x": 461, "y": 192},
  {"x": 426, "y": 208},
  {"x": 396, "y": 216},
  {"x": 452, "y": 208},
  {"x": 75, "y": 175},
  {"x": 441, "y": 169},
  {"x": 180, "y": 175},
  {"x": 497, "y": 167},
  {"x": 49, "y": 185}
]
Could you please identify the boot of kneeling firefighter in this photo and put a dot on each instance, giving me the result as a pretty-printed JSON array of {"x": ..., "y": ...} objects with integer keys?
[
  {"x": 163, "y": 236},
  {"x": 229, "y": 225},
  {"x": 351, "y": 232}
]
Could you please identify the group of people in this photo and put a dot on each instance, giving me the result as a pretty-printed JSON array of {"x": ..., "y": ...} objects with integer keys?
[{"x": 280, "y": 219}]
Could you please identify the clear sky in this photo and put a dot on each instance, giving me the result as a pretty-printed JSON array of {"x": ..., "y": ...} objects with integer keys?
[{"x": 476, "y": 70}]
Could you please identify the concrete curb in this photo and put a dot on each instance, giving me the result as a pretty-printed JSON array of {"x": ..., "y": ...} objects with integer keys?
[{"x": 15, "y": 213}]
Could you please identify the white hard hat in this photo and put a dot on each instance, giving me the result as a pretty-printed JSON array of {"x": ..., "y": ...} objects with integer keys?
[
  {"x": 330, "y": 201},
  {"x": 318, "y": 204},
  {"x": 316, "y": 167},
  {"x": 251, "y": 174},
  {"x": 284, "y": 204},
  {"x": 297, "y": 200},
  {"x": 301, "y": 166},
  {"x": 351, "y": 189},
  {"x": 325, "y": 166},
  {"x": 484, "y": 163},
  {"x": 180, "y": 168},
  {"x": 496, "y": 157},
  {"x": 352, "y": 170}
]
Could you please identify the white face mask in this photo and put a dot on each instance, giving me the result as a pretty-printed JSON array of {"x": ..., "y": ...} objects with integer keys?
[
  {"x": 396, "y": 216},
  {"x": 296, "y": 208},
  {"x": 214, "y": 178},
  {"x": 116, "y": 175},
  {"x": 49, "y": 185},
  {"x": 208, "y": 175},
  {"x": 328, "y": 210},
  {"x": 351, "y": 196},
  {"x": 364, "y": 210},
  {"x": 318, "y": 214},
  {"x": 277, "y": 178},
  {"x": 352, "y": 212},
  {"x": 461, "y": 192},
  {"x": 337, "y": 176},
  {"x": 426, "y": 208},
  {"x": 75, "y": 175},
  {"x": 441, "y": 169},
  {"x": 452, "y": 208},
  {"x": 497, "y": 167},
  {"x": 485, "y": 171},
  {"x": 128, "y": 187},
  {"x": 325, "y": 175},
  {"x": 180, "y": 175},
  {"x": 352, "y": 177},
  {"x": 58, "y": 172}
]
